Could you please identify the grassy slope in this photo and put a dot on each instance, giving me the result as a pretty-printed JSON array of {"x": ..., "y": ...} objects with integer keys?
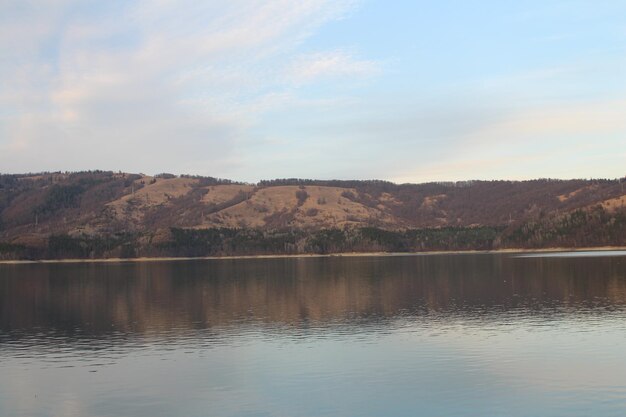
[{"x": 106, "y": 214}]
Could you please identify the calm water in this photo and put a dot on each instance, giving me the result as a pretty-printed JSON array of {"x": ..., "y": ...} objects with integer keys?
[{"x": 439, "y": 335}]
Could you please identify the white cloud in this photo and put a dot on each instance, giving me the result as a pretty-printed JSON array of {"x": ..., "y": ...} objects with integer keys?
[
  {"x": 331, "y": 64},
  {"x": 147, "y": 85}
]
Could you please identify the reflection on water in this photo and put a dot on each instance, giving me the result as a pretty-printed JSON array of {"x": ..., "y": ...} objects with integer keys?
[
  {"x": 391, "y": 336},
  {"x": 575, "y": 254}
]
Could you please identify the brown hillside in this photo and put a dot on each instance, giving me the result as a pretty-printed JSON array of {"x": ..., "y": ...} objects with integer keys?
[{"x": 106, "y": 202}]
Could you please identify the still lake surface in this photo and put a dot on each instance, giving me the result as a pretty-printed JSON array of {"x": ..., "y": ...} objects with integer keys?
[{"x": 437, "y": 335}]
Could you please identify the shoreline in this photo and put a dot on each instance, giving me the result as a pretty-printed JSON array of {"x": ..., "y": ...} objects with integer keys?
[{"x": 312, "y": 255}]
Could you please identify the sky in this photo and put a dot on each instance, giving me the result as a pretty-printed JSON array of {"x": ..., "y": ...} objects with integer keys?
[{"x": 406, "y": 91}]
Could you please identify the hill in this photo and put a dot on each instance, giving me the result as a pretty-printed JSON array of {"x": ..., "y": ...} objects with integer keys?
[{"x": 104, "y": 214}]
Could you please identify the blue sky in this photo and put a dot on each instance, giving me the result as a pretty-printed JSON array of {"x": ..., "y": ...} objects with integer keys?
[{"x": 408, "y": 91}]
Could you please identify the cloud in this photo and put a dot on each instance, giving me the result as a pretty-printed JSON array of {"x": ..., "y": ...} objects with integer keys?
[
  {"x": 331, "y": 64},
  {"x": 144, "y": 85}
]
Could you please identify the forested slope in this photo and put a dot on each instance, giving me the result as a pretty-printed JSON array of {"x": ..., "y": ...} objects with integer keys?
[{"x": 107, "y": 214}]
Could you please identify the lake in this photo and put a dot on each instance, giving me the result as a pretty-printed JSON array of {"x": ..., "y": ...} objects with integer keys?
[{"x": 434, "y": 335}]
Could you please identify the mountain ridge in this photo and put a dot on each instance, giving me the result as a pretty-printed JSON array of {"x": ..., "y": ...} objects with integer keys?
[{"x": 97, "y": 204}]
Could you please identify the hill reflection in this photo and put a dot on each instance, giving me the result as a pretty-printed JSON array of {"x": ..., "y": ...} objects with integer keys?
[{"x": 98, "y": 299}]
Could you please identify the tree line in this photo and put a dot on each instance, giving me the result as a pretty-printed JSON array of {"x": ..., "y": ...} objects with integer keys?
[
  {"x": 580, "y": 228},
  {"x": 228, "y": 241}
]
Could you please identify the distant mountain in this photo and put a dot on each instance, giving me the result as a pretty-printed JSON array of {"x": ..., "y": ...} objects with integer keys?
[{"x": 101, "y": 214}]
